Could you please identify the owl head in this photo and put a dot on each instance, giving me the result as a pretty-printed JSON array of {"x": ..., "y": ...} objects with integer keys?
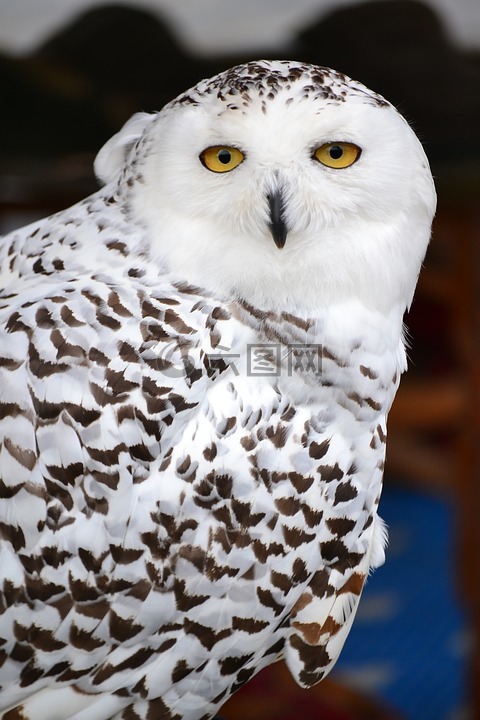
[{"x": 281, "y": 183}]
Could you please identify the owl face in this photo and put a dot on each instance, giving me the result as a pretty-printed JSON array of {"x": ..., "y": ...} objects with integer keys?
[{"x": 284, "y": 183}]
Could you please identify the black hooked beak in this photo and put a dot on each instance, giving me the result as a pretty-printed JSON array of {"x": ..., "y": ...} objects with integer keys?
[{"x": 277, "y": 224}]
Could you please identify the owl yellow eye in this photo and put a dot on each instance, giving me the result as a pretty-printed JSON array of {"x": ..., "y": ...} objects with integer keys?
[
  {"x": 337, "y": 154},
  {"x": 221, "y": 159}
]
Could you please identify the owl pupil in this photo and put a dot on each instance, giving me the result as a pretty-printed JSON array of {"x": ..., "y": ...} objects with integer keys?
[
  {"x": 224, "y": 156},
  {"x": 336, "y": 152}
]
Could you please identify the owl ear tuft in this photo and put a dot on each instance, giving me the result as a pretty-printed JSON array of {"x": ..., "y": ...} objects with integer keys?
[{"x": 111, "y": 158}]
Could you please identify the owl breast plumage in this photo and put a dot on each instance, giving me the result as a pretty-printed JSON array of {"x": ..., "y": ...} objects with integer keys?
[{"x": 196, "y": 366}]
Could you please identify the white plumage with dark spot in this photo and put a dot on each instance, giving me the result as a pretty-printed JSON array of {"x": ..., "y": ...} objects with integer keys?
[{"x": 196, "y": 367}]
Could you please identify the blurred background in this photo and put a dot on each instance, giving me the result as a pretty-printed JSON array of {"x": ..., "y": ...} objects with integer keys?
[{"x": 71, "y": 73}]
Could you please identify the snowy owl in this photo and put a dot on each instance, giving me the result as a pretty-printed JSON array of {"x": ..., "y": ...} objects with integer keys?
[{"x": 196, "y": 366}]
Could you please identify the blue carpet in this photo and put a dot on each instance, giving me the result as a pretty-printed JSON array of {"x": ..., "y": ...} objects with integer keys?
[{"x": 408, "y": 642}]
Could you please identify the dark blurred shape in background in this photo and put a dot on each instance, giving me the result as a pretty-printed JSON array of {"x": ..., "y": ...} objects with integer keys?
[
  {"x": 80, "y": 87},
  {"x": 125, "y": 58}
]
